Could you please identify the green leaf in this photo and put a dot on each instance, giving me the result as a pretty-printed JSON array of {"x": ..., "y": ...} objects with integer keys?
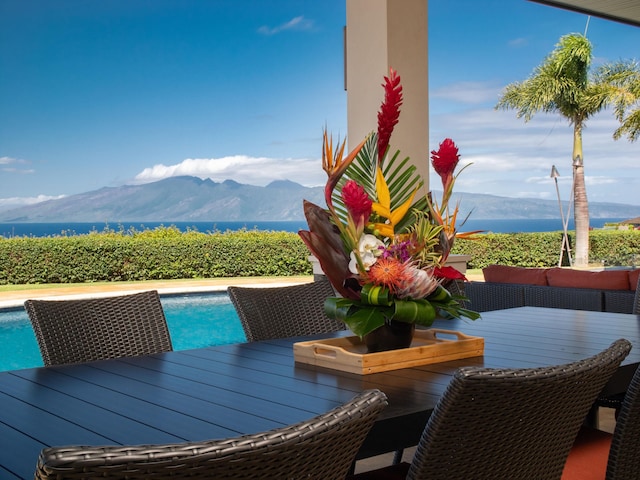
[
  {"x": 415, "y": 311},
  {"x": 366, "y": 319},
  {"x": 337, "y": 307},
  {"x": 376, "y": 295}
]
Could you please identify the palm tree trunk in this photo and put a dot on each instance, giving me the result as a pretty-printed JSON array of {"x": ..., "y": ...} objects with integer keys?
[{"x": 580, "y": 202}]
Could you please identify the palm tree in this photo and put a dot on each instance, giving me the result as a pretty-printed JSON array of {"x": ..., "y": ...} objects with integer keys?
[
  {"x": 561, "y": 84},
  {"x": 623, "y": 79}
]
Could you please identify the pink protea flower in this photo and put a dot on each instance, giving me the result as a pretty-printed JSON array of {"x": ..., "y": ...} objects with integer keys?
[
  {"x": 357, "y": 201},
  {"x": 444, "y": 161},
  {"x": 389, "y": 111}
]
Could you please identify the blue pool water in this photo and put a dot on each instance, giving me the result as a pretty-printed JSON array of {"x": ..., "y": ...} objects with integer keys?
[{"x": 195, "y": 320}]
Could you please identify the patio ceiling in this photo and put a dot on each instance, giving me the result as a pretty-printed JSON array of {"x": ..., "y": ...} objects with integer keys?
[{"x": 625, "y": 11}]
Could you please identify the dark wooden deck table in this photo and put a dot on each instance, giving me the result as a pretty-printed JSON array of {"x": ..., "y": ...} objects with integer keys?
[{"x": 235, "y": 389}]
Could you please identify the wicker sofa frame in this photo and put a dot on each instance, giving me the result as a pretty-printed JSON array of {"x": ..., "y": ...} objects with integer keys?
[{"x": 486, "y": 296}]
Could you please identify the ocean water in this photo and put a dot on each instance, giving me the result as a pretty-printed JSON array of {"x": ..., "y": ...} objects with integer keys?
[{"x": 9, "y": 230}]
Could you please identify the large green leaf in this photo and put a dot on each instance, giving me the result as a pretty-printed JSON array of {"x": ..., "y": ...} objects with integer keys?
[
  {"x": 414, "y": 311},
  {"x": 366, "y": 319}
]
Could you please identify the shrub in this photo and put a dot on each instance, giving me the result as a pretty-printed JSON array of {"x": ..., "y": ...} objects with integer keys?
[
  {"x": 161, "y": 253},
  {"x": 606, "y": 247},
  {"x": 166, "y": 253}
]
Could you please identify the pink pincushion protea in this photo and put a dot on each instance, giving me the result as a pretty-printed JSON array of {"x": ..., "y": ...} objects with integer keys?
[{"x": 388, "y": 272}]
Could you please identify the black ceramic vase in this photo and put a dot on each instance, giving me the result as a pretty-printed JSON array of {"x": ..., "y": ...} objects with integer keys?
[{"x": 391, "y": 336}]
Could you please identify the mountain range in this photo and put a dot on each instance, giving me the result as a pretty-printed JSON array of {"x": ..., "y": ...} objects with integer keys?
[{"x": 183, "y": 199}]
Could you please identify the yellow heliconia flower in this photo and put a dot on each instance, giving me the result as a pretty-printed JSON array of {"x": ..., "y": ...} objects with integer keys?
[{"x": 383, "y": 207}]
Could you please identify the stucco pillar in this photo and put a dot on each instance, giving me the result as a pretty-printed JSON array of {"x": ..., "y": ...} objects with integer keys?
[{"x": 383, "y": 34}]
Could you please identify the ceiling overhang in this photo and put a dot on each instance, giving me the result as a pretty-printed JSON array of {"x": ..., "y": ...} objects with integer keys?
[{"x": 625, "y": 11}]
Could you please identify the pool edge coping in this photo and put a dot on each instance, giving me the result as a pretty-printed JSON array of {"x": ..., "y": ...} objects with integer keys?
[{"x": 14, "y": 299}]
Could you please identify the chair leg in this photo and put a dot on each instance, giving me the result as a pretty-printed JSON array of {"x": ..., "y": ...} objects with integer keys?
[{"x": 397, "y": 457}]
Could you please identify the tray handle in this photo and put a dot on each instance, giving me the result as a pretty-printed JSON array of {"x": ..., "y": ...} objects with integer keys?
[
  {"x": 432, "y": 334},
  {"x": 332, "y": 352}
]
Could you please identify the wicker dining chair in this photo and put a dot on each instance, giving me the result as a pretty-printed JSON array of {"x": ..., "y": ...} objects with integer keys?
[
  {"x": 83, "y": 330},
  {"x": 615, "y": 401},
  {"x": 321, "y": 448},
  {"x": 282, "y": 312},
  {"x": 636, "y": 299},
  {"x": 598, "y": 455},
  {"x": 499, "y": 423}
]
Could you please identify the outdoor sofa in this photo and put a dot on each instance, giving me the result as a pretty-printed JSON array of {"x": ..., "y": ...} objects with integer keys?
[{"x": 508, "y": 287}]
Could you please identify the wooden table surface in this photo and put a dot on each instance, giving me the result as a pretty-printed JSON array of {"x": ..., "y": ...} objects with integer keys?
[{"x": 230, "y": 390}]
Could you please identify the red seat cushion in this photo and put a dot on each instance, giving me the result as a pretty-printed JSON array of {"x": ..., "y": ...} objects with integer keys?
[
  {"x": 509, "y": 274},
  {"x": 633, "y": 278},
  {"x": 589, "y": 455},
  {"x": 603, "y": 280}
]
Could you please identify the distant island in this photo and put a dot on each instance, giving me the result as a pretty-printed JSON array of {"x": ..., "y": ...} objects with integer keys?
[{"x": 191, "y": 199}]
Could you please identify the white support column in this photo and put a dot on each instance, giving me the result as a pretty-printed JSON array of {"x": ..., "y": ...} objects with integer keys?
[{"x": 383, "y": 34}]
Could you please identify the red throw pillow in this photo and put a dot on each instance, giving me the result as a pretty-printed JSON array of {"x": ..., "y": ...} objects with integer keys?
[
  {"x": 507, "y": 274},
  {"x": 603, "y": 280}
]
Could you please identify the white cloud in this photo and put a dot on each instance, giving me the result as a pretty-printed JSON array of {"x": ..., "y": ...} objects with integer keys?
[
  {"x": 258, "y": 171},
  {"x": 14, "y": 161},
  {"x": 467, "y": 92},
  {"x": 518, "y": 42},
  {"x": 509, "y": 155},
  {"x": 14, "y": 202},
  {"x": 591, "y": 180},
  {"x": 296, "y": 23}
]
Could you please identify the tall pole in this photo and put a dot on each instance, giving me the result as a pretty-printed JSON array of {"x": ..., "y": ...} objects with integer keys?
[{"x": 565, "y": 222}]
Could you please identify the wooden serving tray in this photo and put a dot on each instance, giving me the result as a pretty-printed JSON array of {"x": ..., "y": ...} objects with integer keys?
[{"x": 349, "y": 353}]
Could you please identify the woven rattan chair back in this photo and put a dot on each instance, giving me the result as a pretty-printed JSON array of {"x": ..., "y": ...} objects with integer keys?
[
  {"x": 282, "y": 312},
  {"x": 636, "y": 299},
  {"x": 322, "y": 448},
  {"x": 624, "y": 458},
  {"x": 75, "y": 331},
  {"x": 500, "y": 424}
]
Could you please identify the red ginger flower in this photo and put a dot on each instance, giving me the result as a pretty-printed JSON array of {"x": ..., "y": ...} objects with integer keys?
[
  {"x": 445, "y": 161},
  {"x": 389, "y": 111},
  {"x": 357, "y": 201}
]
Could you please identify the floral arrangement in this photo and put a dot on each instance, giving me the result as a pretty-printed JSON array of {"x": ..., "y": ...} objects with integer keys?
[{"x": 382, "y": 245}]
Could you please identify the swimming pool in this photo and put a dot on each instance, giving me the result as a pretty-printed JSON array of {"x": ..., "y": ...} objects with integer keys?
[{"x": 195, "y": 320}]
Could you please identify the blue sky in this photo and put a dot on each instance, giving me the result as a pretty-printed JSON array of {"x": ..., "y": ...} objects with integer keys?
[{"x": 105, "y": 93}]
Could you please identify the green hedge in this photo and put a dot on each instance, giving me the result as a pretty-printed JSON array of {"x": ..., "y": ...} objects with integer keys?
[
  {"x": 606, "y": 247},
  {"x": 167, "y": 253},
  {"x": 162, "y": 253}
]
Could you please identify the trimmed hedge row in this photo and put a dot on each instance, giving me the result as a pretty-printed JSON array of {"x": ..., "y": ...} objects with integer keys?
[
  {"x": 606, "y": 247},
  {"x": 167, "y": 253},
  {"x": 162, "y": 253}
]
